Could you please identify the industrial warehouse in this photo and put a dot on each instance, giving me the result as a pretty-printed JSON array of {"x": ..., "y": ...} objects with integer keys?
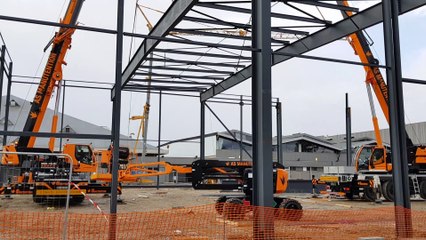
[{"x": 201, "y": 119}]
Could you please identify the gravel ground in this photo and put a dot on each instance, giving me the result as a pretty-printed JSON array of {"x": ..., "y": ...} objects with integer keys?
[{"x": 150, "y": 199}]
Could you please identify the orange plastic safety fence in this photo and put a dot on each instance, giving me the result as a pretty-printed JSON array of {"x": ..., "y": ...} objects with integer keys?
[{"x": 204, "y": 222}]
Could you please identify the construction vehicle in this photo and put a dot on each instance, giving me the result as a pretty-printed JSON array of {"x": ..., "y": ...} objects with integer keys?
[
  {"x": 133, "y": 172},
  {"x": 45, "y": 175},
  {"x": 373, "y": 163},
  {"x": 238, "y": 176}
]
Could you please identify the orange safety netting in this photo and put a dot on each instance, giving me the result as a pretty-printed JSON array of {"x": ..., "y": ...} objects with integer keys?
[{"x": 203, "y": 222}]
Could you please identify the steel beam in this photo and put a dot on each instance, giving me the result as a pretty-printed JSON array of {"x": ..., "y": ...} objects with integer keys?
[
  {"x": 323, "y": 4},
  {"x": 56, "y": 135},
  {"x": 203, "y": 70},
  {"x": 241, "y": 127},
  {"x": 214, "y": 78},
  {"x": 222, "y": 35},
  {"x": 364, "y": 19},
  {"x": 415, "y": 81},
  {"x": 348, "y": 132},
  {"x": 328, "y": 59},
  {"x": 2, "y": 71},
  {"x": 167, "y": 88},
  {"x": 241, "y": 25},
  {"x": 159, "y": 135},
  {"x": 263, "y": 223},
  {"x": 204, "y": 54},
  {"x": 196, "y": 63},
  {"x": 203, "y": 131},
  {"x": 279, "y": 110},
  {"x": 249, "y": 11},
  {"x": 116, "y": 110},
  {"x": 6, "y": 111},
  {"x": 168, "y": 21},
  {"x": 168, "y": 82}
]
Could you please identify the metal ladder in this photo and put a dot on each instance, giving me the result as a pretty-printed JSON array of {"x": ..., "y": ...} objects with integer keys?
[{"x": 416, "y": 185}]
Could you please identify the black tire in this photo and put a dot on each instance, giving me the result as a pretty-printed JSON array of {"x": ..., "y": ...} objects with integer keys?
[
  {"x": 233, "y": 209},
  {"x": 423, "y": 189},
  {"x": 369, "y": 194},
  {"x": 385, "y": 194},
  {"x": 290, "y": 210},
  {"x": 219, "y": 204},
  {"x": 350, "y": 195},
  {"x": 77, "y": 200},
  {"x": 38, "y": 199},
  {"x": 388, "y": 191}
]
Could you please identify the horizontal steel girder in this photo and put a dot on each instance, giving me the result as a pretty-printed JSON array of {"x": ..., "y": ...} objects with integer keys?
[
  {"x": 196, "y": 63},
  {"x": 275, "y": 15},
  {"x": 56, "y": 135},
  {"x": 242, "y": 26},
  {"x": 322, "y": 4},
  {"x": 180, "y": 69},
  {"x": 362, "y": 20}
]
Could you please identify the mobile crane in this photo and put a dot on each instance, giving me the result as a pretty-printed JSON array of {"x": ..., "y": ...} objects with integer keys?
[
  {"x": 373, "y": 164},
  {"x": 238, "y": 175},
  {"x": 45, "y": 175}
]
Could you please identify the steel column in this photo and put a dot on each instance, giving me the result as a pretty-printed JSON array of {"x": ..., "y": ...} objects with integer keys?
[
  {"x": 263, "y": 227},
  {"x": 241, "y": 127},
  {"x": 396, "y": 116},
  {"x": 2, "y": 69},
  {"x": 6, "y": 111},
  {"x": 116, "y": 119},
  {"x": 348, "y": 133},
  {"x": 280, "y": 158},
  {"x": 159, "y": 136},
  {"x": 203, "y": 130}
]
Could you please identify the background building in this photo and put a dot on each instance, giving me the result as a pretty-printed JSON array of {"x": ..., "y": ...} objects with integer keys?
[
  {"x": 18, "y": 113},
  {"x": 304, "y": 155}
]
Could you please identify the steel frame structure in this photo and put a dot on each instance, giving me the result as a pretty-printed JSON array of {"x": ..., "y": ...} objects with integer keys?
[
  {"x": 263, "y": 58},
  {"x": 225, "y": 65}
]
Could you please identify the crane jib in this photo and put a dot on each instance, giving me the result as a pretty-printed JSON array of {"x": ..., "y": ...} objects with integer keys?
[
  {"x": 381, "y": 83},
  {"x": 41, "y": 94},
  {"x": 45, "y": 79}
]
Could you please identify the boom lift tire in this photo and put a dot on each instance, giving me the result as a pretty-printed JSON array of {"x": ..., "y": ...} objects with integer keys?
[
  {"x": 38, "y": 199},
  {"x": 219, "y": 204},
  {"x": 388, "y": 190},
  {"x": 369, "y": 194},
  {"x": 77, "y": 199},
  {"x": 423, "y": 189},
  {"x": 233, "y": 209},
  {"x": 349, "y": 195},
  {"x": 290, "y": 210}
]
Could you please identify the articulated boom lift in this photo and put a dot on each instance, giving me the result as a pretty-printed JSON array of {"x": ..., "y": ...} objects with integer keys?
[{"x": 238, "y": 175}]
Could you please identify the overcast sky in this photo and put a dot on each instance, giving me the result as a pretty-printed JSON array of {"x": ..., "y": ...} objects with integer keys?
[{"x": 312, "y": 92}]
